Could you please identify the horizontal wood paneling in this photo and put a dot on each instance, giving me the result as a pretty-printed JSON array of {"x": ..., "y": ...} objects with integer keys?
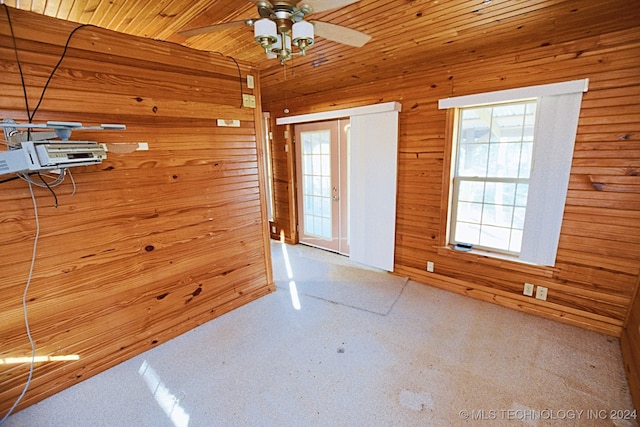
[
  {"x": 152, "y": 243},
  {"x": 421, "y": 51},
  {"x": 598, "y": 261}
]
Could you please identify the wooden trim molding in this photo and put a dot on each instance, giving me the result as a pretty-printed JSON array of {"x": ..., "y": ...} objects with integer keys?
[
  {"x": 293, "y": 198},
  {"x": 263, "y": 176}
]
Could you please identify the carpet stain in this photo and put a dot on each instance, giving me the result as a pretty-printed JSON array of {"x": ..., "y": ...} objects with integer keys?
[{"x": 416, "y": 401}]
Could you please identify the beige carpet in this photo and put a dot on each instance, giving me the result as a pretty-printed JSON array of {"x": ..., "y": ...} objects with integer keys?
[{"x": 416, "y": 356}]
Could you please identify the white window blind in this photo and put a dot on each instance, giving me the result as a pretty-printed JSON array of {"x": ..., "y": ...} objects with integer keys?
[
  {"x": 372, "y": 196},
  {"x": 555, "y": 135}
]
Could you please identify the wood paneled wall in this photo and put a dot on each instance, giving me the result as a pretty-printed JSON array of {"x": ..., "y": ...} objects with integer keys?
[
  {"x": 153, "y": 243},
  {"x": 598, "y": 260}
]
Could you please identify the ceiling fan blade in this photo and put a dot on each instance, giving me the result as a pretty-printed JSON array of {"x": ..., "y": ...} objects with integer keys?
[
  {"x": 340, "y": 34},
  {"x": 322, "y": 5},
  {"x": 215, "y": 27}
]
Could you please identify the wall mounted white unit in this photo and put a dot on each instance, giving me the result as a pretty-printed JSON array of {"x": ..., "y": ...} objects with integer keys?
[{"x": 43, "y": 156}]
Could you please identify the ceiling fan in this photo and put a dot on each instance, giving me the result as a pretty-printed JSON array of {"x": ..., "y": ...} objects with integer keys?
[{"x": 281, "y": 27}]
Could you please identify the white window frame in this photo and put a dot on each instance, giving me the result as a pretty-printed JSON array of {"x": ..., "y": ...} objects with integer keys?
[
  {"x": 557, "y": 116},
  {"x": 457, "y": 179}
]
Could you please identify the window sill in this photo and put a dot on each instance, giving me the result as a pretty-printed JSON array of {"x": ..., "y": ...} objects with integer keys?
[{"x": 497, "y": 260}]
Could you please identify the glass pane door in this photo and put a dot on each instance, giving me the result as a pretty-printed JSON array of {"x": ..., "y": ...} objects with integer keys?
[
  {"x": 316, "y": 183},
  {"x": 322, "y": 184}
]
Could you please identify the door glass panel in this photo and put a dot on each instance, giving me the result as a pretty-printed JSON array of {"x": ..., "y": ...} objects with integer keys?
[{"x": 316, "y": 182}]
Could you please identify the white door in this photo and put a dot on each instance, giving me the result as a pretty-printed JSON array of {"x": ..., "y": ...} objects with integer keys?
[{"x": 323, "y": 184}]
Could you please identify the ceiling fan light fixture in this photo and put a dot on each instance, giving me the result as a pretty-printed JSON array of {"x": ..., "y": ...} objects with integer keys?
[
  {"x": 287, "y": 43},
  {"x": 302, "y": 35},
  {"x": 265, "y": 32},
  {"x": 282, "y": 27},
  {"x": 280, "y": 50}
]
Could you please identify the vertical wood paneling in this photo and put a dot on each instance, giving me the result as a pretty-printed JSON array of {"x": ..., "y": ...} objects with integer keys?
[{"x": 153, "y": 243}]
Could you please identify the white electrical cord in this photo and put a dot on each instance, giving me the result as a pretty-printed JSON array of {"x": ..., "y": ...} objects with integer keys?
[
  {"x": 24, "y": 307},
  {"x": 73, "y": 181}
]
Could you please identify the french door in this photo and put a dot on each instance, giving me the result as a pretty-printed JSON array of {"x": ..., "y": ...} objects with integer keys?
[{"x": 323, "y": 184}]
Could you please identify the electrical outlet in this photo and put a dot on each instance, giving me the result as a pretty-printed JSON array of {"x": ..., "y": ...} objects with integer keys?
[
  {"x": 274, "y": 229},
  {"x": 541, "y": 293},
  {"x": 528, "y": 289},
  {"x": 248, "y": 101},
  {"x": 430, "y": 266}
]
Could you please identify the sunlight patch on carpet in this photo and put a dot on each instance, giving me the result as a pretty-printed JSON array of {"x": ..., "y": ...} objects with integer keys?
[{"x": 333, "y": 277}]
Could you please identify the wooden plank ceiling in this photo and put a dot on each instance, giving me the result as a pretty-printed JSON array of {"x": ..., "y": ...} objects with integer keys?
[{"x": 406, "y": 34}]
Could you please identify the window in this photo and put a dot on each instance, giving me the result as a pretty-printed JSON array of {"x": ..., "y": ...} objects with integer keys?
[
  {"x": 491, "y": 175},
  {"x": 511, "y": 158}
]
